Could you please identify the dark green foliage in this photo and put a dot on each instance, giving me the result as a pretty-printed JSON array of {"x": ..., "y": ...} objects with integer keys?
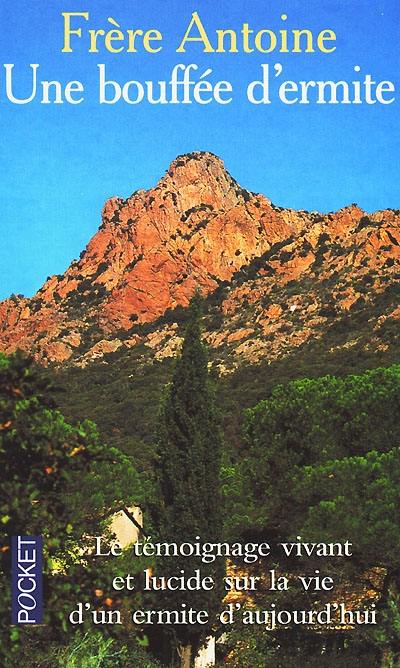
[
  {"x": 90, "y": 650},
  {"x": 309, "y": 422},
  {"x": 188, "y": 466},
  {"x": 323, "y": 462},
  {"x": 121, "y": 397},
  {"x": 58, "y": 481},
  {"x": 357, "y": 498},
  {"x": 254, "y": 647}
]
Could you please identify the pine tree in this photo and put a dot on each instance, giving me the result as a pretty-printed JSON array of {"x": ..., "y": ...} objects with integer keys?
[{"x": 189, "y": 452}]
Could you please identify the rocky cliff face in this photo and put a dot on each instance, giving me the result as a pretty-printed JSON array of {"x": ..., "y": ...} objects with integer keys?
[{"x": 277, "y": 276}]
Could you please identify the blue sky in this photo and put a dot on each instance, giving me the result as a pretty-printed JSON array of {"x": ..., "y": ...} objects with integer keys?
[{"x": 60, "y": 163}]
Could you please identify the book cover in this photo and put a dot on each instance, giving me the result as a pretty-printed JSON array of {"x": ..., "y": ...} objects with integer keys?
[{"x": 199, "y": 334}]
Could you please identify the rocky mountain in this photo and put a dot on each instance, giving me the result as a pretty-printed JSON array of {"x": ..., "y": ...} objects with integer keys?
[{"x": 276, "y": 279}]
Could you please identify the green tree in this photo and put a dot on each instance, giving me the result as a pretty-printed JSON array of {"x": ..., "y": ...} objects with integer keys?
[
  {"x": 322, "y": 461},
  {"x": 58, "y": 481},
  {"x": 308, "y": 422},
  {"x": 188, "y": 465},
  {"x": 358, "y": 499}
]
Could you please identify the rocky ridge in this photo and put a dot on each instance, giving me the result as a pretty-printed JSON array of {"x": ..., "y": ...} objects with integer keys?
[{"x": 274, "y": 278}]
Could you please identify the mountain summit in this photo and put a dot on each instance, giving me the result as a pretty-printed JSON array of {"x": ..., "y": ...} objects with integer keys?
[{"x": 199, "y": 228}]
